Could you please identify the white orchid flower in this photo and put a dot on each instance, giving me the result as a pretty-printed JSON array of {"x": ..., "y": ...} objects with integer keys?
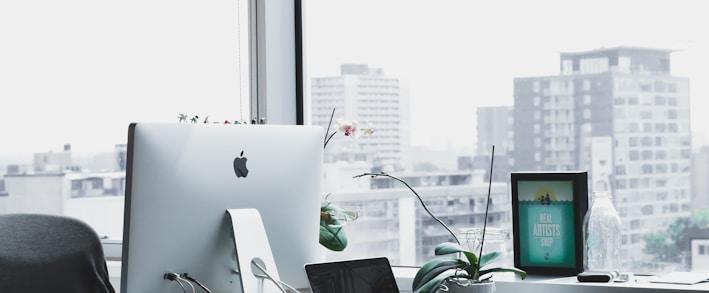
[
  {"x": 349, "y": 128},
  {"x": 369, "y": 130}
]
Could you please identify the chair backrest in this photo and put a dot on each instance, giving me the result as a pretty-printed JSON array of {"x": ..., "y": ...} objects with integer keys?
[{"x": 48, "y": 253}]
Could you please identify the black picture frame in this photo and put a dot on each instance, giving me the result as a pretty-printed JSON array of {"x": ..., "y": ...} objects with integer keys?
[{"x": 547, "y": 221}]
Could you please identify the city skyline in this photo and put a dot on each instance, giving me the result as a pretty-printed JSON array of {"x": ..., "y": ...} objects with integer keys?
[
  {"x": 470, "y": 57},
  {"x": 472, "y": 64}
]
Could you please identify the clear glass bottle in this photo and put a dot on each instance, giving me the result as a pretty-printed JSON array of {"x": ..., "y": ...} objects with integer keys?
[{"x": 602, "y": 235}]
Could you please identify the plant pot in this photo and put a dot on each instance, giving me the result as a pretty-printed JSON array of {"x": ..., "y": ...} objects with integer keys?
[{"x": 466, "y": 287}]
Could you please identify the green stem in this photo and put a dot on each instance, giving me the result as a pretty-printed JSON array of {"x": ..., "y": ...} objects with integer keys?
[{"x": 417, "y": 196}]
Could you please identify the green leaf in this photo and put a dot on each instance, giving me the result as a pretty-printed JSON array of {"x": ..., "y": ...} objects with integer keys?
[
  {"x": 331, "y": 234},
  {"x": 521, "y": 273},
  {"x": 350, "y": 214},
  {"x": 330, "y": 208},
  {"x": 432, "y": 285},
  {"x": 490, "y": 257},
  {"x": 449, "y": 247},
  {"x": 334, "y": 211},
  {"x": 435, "y": 267}
]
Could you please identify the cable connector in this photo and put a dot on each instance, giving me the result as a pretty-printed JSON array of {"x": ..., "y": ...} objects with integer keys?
[
  {"x": 193, "y": 280},
  {"x": 171, "y": 276}
]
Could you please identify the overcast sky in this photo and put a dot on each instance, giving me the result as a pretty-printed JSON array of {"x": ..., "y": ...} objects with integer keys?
[{"x": 78, "y": 71}]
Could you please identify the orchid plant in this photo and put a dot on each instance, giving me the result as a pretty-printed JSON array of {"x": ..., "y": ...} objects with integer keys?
[
  {"x": 333, "y": 217},
  {"x": 454, "y": 265}
]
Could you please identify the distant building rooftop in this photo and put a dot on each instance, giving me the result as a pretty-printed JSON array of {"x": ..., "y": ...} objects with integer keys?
[{"x": 619, "y": 49}]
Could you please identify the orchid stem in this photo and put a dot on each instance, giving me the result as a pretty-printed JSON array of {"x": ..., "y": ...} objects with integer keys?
[
  {"x": 329, "y": 136},
  {"x": 417, "y": 196}
]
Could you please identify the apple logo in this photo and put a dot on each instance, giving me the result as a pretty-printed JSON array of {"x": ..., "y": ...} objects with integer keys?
[{"x": 240, "y": 166}]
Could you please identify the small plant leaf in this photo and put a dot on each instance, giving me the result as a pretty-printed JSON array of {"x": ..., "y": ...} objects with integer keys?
[
  {"x": 350, "y": 214},
  {"x": 517, "y": 271},
  {"x": 433, "y": 284},
  {"x": 330, "y": 208},
  {"x": 434, "y": 268},
  {"x": 449, "y": 247},
  {"x": 338, "y": 213},
  {"x": 331, "y": 234},
  {"x": 490, "y": 257},
  {"x": 332, "y": 219}
]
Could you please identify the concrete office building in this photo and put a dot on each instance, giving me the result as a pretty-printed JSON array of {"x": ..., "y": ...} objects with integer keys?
[
  {"x": 96, "y": 198},
  {"x": 700, "y": 184},
  {"x": 55, "y": 183},
  {"x": 54, "y": 161},
  {"x": 619, "y": 113},
  {"x": 365, "y": 94},
  {"x": 696, "y": 245},
  {"x": 495, "y": 127}
]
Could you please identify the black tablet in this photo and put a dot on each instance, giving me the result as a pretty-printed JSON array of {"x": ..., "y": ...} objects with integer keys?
[{"x": 372, "y": 275}]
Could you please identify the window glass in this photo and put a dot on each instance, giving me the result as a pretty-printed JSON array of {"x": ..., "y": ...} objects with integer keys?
[
  {"x": 439, "y": 82},
  {"x": 74, "y": 74}
]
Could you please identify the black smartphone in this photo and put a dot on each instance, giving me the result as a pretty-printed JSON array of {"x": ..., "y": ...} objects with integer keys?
[{"x": 597, "y": 276}]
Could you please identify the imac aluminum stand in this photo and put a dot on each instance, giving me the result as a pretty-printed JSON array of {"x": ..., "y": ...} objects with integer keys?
[{"x": 253, "y": 252}]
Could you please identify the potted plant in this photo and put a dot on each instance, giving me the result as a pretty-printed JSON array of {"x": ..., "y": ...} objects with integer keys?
[
  {"x": 332, "y": 220},
  {"x": 334, "y": 217},
  {"x": 456, "y": 269}
]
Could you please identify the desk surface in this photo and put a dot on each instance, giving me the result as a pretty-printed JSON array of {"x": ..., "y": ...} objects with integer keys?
[
  {"x": 509, "y": 282},
  {"x": 636, "y": 284}
]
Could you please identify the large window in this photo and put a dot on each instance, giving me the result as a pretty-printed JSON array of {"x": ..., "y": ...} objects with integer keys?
[
  {"x": 441, "y": 82},
  {"x": 74, "y": 74}
]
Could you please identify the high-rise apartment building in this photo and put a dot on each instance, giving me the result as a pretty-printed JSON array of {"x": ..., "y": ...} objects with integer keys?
[
  {"x": 619, "y": 113},
  {"x": 366, "y": 95},
  {"x": 495, "y": 127},
  {"x": 700, "y": 184}
]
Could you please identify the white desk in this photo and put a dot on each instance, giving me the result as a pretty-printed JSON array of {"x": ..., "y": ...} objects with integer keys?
[{"x": 508, "y": 282}]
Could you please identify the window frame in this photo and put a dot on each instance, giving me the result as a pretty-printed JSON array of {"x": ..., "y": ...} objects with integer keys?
[{"x": 277, "y": 54}]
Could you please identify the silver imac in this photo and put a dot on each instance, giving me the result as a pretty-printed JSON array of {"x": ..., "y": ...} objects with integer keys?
[{"x": 181, "y": 178}]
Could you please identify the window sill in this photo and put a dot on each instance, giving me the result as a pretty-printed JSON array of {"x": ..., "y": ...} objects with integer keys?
[{"x": 508, "y": 282}]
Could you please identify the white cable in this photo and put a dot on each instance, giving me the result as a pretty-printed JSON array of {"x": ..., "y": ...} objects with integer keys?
[
  {"x": 289, "y": 286},
  {"x": 268, "y": 276},
  {"x": 277, "y": 282},
  {"x": 179, "y": 279},
  {"x": 183, "y": 286}
]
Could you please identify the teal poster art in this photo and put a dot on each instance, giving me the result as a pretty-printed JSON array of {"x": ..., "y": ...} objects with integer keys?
[{"x": 546, "y": 223}]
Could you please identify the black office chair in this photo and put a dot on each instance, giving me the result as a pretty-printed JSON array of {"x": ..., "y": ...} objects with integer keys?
[{"x": 46, "y": 253}]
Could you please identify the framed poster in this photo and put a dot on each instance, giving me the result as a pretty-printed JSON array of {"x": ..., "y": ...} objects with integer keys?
[{"x": 547, "y": 220}]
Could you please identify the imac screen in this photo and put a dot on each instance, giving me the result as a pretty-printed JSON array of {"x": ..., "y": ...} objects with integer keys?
[{"x": 181, "y": 178}]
